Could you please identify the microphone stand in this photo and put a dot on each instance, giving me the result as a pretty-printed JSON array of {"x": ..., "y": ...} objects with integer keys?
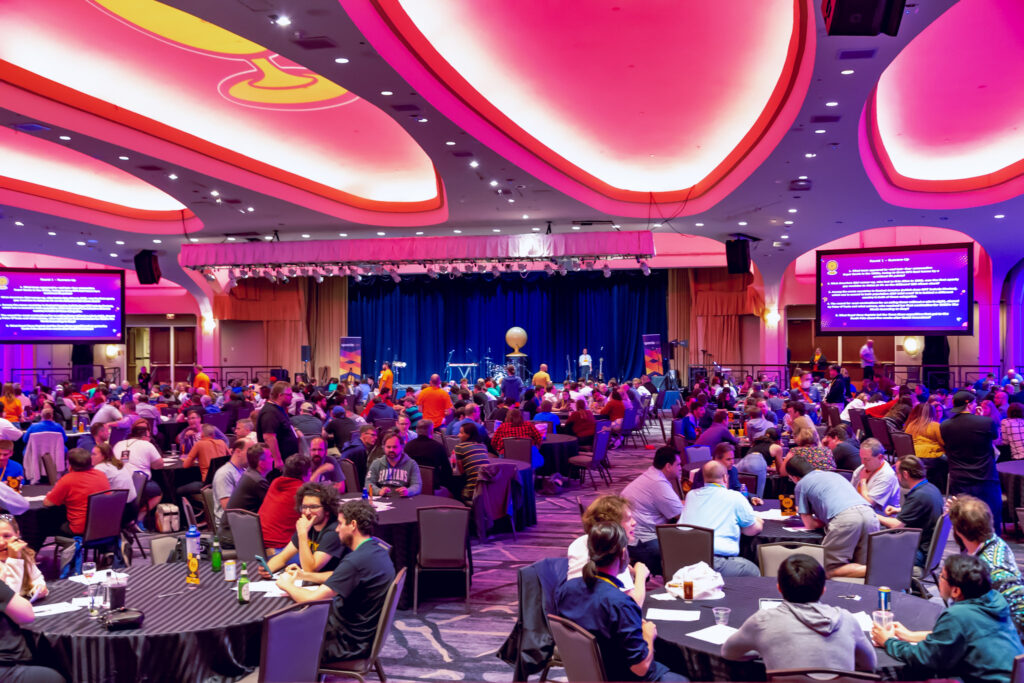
[{"x": 448, "y": 366}]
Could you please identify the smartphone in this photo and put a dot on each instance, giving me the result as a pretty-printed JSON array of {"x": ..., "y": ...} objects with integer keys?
[{"x": 263, "y": 563}]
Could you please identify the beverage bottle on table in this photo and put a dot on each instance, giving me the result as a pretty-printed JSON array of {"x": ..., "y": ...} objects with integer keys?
[
  {"x": 243, "y": 586},
  {"x": 192, "y": 541},
  {"x": 215, "y": 555}
]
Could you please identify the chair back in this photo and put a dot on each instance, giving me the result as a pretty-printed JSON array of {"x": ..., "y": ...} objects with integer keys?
[
  {"x": 387, "y": 615},
  {"x": 50, "y": 468},
  {"x": 208, "y": 509},
  {"x": 139, "y": 480},
  {"x": 902, "y": 444},
  {"x": 450, "y": 442},
  {"x": 292, "y": 639},
  {"x": 215, "y": 464},
  {"x": 629, "y": 419},
  {"x": 578, "y": 650},
  {"x": 601, "y": 439},
  {"x": 118, "y": 434},
  {"x": 879, "y": 429},
  {"x": 659, "y": 402},
  {"x": 247, "y": 533},
  {"x": 1017, "y": 675},
  {"x": 582, "y": 507},
  {"x": 161, "y": 548},
  {"x": 750, "y": 480},
  {"x": 519, "y": 449},
  {"x": 815, "y": 675},
  {"x": 352, "y": 483},
  {"x": 103, "y": 514},
  {"x": 683, "y": 545},
  {"x": 846, "y": 473},
  {"x": 494, "y": 490},
  {"x": 698, "y": 454},
  {"x": 891, "y": 558},
  {"x": 218, "y": 420},
  {"x": 190, "y": 513},
  {"x": 940, "y": 536},
  {"x": 444, "y": 536},
  {"x": 427, "y": 477},
  {"x": 384, "y": 424},
  {"x": 771, "y": 555},
  {"x": 41, "y": 444},
  {"x": 857, "y": 420}
]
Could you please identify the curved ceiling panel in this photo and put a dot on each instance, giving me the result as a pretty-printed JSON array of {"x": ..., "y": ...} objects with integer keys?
[
  {"x": 175, "y": 76},
  {"x": 588, "y": 89},
  {"x": 947, "y": 125}
]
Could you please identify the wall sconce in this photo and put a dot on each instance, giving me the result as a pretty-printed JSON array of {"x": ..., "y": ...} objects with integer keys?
[
  {"x": 772, "y": 316},
  {"x": 911, "y": 346},
  {"x": 209, "y": 324},
  {"x": 112, "y": 351}
]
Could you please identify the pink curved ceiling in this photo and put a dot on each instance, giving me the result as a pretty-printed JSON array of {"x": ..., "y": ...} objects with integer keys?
[
  {"x": 211, "y": 91},
  {"x": 945, "y": 124},
  {"x": 593, "y": 92}
]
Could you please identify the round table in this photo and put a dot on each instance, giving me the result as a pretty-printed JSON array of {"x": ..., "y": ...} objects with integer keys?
[
  {"x": 187, "y": 634},
  {"x": 526, "y": 509},
  {"x": 39, "y": 521},
  {"x": 399, "y": 528},
  {"x": 1011, "y": 480},
  {"x": 777, "y": 531},
  {"x": 557, "y": 449},
  {"x": 702, "y": 661}
]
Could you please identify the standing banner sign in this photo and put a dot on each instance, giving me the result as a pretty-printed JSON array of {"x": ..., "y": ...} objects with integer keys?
[
  {"x": 351, "y": 358},
  {"x": 652, "y": 355}
]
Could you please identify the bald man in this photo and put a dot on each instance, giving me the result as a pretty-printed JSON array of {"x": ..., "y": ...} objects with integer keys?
[
  {"x": 434, "y": 402},
  {"x": 541, "y": 378}
]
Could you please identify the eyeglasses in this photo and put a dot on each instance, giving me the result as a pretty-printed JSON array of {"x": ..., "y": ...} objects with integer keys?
[{"x": 310, "y": 507}]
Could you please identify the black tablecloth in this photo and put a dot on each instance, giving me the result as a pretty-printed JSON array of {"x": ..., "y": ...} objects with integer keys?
[
  {"x": 167, "y": 432},
  {"x": 191, "y": 636},
  {"x": 775, "y": 531},
  {"x": 557, "y": 449},
  {"x": 702, "y": 661},
  {"x": 39, "y": 521},
  {"x": 526, "y": 509}
]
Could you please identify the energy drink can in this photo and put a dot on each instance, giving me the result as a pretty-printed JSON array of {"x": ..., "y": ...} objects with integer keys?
[
  {"x": 885, "y": 598},
  {"x": 230, "y": 570}
]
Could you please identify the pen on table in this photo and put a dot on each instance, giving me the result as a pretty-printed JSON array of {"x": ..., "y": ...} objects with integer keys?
[{"x": 167, "y": 595}]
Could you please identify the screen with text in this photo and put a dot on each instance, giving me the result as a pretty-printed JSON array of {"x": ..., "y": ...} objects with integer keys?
[{"x": 48, "y": 306}]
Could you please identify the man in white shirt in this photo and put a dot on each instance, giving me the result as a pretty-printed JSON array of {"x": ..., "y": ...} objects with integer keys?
[
  {"x": 654, "y": 501},
  {"x": 714, "y": 506},
  {"x": 867, "y": 358},
  {"x": 226, "y": 478},
  {"x": 586, "y": 365},
  {"x": 108, "y": 412},
  {"x": 875, "y": 479}
]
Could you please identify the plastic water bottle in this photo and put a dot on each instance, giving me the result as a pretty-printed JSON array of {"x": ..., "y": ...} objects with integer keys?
[
  {"x": 366, "y": 495},
  {"x": 743, "y": 490},
  {"x": 192, "y": 541}
]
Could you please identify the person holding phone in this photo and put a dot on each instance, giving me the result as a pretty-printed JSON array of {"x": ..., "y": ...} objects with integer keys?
[{"x": 315, "y": 545}]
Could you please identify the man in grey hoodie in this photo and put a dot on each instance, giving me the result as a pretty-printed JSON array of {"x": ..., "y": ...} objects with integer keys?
[{"x": 802, "y": 632}]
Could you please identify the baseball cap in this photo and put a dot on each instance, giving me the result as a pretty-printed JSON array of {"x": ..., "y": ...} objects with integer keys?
[
  {"x": 306, "y": 408},
  {"x": 338, "y": 411},
  {"x": 961, "y": 400}
]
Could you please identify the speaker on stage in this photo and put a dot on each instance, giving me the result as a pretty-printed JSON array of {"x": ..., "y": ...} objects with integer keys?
[
  {"x": 147, "y": 267},
  {"x": 737, "y": 256},
  {"x": 305, "y": 354}
]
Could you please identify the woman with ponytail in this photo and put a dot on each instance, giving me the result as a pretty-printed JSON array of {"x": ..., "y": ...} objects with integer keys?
[{"x": 596, "y": 602}]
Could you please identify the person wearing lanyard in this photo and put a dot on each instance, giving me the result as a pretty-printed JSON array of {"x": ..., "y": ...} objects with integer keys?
[
  {"x": 596, "y": 602},
  {"x": 922, "y": 505}
]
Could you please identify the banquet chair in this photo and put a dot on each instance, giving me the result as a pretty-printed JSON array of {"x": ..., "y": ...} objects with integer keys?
[
  {"x": 359, "y": 668},
  {"x": 218, "y": 420},
  {"x": 384, "y": 424},
  {"x": 450, "y": 442},
  {"x": 427, "y": 477},
  {"x": 750, "y": 480},
  {"x": 771, "y": 555},
  {"x": 696, "y": 454},
  {"x": 659, "y": 404},
  {"x": 586, "y": 464},
  {"x": 1017, "y": 674},
  {"x": 118, "y": 434},
  {"x": 683, "y": 545},
  {"x": 890, "y": 559},
  {"x": 846, "y": 473},
  {"x": 519, "y": 449},
  {"x": 51, "y": 469},
  {"x": 943, "y": 528},
  {"x": 247, "y": 533},
  {"x": 902, "y": 444},
  {"x": 492, "y": 497},
  {"x": 293, "y": 637},
  {"x": 162, "y": 548},
  {"x": 582, "y": 507},
  {"x": 39, "y": 445},
  {"x": 352, "y": 483},
  {"x": 857, "y": 416},
  {"x": 102, "y": 522},
  {"x": 444, "y": 544},
  {"x": 819, "y": 674},
  {"x": 208, "y": 509},
  {"x": 578, "y": 650},
  {"x": 879, "y": 429}
]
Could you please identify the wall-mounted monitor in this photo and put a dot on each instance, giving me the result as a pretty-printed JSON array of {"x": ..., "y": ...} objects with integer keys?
[
  {"x": 896, "y": 291},
  {"x": 61, "y": 306}
]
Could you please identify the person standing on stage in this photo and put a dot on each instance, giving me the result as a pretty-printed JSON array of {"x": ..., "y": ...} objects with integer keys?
[
  {"x": 387, "y": 378},
  {"x": 867, "y": 358},
  {"x": 586, "y": 365}
]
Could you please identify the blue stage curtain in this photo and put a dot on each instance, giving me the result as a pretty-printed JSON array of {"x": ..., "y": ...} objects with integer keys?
[{"x": 420, "y": 320}]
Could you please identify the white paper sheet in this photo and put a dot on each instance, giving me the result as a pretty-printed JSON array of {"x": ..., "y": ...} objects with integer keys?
[
  {"x": 864, "y": 619},
  {"x": 716, "y": 635},
  {"x": 98, "y": 577},
  {"x": 774, "y": 513},
  {"x": 35, "y": 499},
  {"x": 656, "y": 614},
  {"x": 667, "y": 597},
  {"x": 55, "y": 608}
]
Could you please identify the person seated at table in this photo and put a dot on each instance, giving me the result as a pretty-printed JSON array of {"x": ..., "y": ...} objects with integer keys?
[
  {"x": 728, "y": 513},
  {"x": 845, "y": 448},
  {"x": 403, "y": 429},
  {"x": 515, "y": 427},
  {"x": 500, "y": 412},
  {"x": 921, "y": 508},
  {"x": 358, "y": 450},
  {"x": 277, "y": 512},
  {"x": 768, "y": 447},
  {"x": 545, "y": 415},
  {"x": 972, "y": 526},
  {"x": 756, "y": 424},
  {"x": 315, "y": 545},
  {"x": 875, "y": 479},
  {"x": 468, "y": 457},
  {"x": 74, "y": 488},
  {"x": 18, "y": 562},
  {"x": 809, "y": 448},
  {"x": 826, "y": 499},
  {"x": 11, "y": 405},
  {"x": 395, "y": 472},
  {"x": 973, "y": 639},
  {"x": 119, "y": 476},
  {"x": 426, "y": 451},
  {"x": 802, "y": 632},
  {"x": 16, "y": 664},
  {"x": 612, "y": 509},
  {"x": 596, "y": 602},
  {"x": 357, "y": 587},
  {"x": 325, "y": 468},
  {"x": 718, "y": 432},
  {"x": 380, "y": 410},
  {"x": 143, "y": 456},
  {"x": 654, "y": 501},
  {"x": 205, "y": 450},
  {"x": 99, "y": 432},
  {"x": 46, "y": 424},
  {"x": 468, "y": 413},
  {"x": 226, "y": 478},
  {"x": 12, "y": 474},
  {"x": 581, "y": 423},
  {"x": 306, "y": 421},
  {"x": 244, "y": 429},
  {"x": 251, "y": 489},
  {"x": 108, "y": 412},
  {"x": 725, "y": 454},
  {"x": 339, "y": 429},
  {"x": 193, "y": 432}
]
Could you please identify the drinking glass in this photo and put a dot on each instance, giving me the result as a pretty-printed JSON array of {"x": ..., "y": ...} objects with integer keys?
[
  {"x": 95, "y": 593},
  {"x": 88, "y": 569},
  {"x": 721, "y": 615},
  {"x": 882, "y": 619}
]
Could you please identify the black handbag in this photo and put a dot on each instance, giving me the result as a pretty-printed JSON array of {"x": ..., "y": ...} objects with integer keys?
[{"x": 122, "y": 619}]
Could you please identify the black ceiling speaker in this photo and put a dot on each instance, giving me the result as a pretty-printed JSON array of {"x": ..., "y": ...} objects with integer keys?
[
  {"x": 737, "y": 256},
  {"x": 862, "y": 17},
  {"x": 147, "y": 267}
]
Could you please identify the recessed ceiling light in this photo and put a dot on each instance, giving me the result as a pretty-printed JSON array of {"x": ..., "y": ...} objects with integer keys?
[
  {"x": 450, "y": 143},
  {"x": 386, "y": 93},
  {"x": 19, "y": 223},
  {"x": 999, "y": 215},
  {"x": 792, "y": 210},
  {"x": 283, "y": 21},
  {"x": 342, "y": 234},
  {"x": 113, "y": 255},
  {"x": 193, "y": 239},
  {"x": 494, "y": 183},
  {"x": 820, "y": 131},
  {"x": 474, "y": 163},
  {"x": 173, "y": 176},
  {"x": 119, "y": 243},
  {"x": 65, "y": 137},
  {"x": 157, "y": 241},
  {"x": 535, "y": 229},
  {"x": 495, "y": 229},
  {"x": 803, "y": 177},
  {"x": 305, "y": 237},
  {"x": 616, "y": 226},
  {"x": 419, "y": 232},
  {"x": 575, "y": 227},
  {"x": 381, "y": 233},
  {"x": 214, "y": 193},
  {"x": 231, "y": 239},
  {"x": 657, "y": 225},
  {"x": 787, "y": 222},
  {"x": 846, "y": 72},
  {"x": 526, "y": 216},
  {"x": 341, "y": 60},
  {"x": 422, "y": 119},
  {"x": 52, "y": 233},
  {"x": 784, "y": 237},
  {"x": 810, "y": 155},
  {"x": 249, "y": 209},
  {"x": 123, "y": 158},
  {"x": 81, "y": 244},
  {"x": 511, "y": 201},
  {"x": 742, "y": 223},
  {"x": 457, "y": 231},
  {"x": 699, "y": 225},
  {"x": 831, "y": 104},
  {"x": 268, "y": 237}
]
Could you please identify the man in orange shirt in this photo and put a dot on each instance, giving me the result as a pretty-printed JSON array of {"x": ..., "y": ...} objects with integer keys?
[
  {"x": 206, "y": 449},
  {"x": 201, "y": 380},
  {"x": 74, "y": 488},
  {"x": 387, "y": 378},
  {"x": 434, "y": 401}
]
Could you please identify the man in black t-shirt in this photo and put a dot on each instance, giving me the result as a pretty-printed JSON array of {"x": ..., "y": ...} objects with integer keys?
[
  {"x": 250, "y": 490},
  {"x": 428, "y": 452},
  {"x": 845, "y": 450},
  {"x": 339, "y": 429},
  {"x": 315, "y": 545},
  {"x": 15, "y": 657},
  {"x": 274, "y": 428},
  {"x": 357, "y": 587},
  {"x": 922, "y": 505}
]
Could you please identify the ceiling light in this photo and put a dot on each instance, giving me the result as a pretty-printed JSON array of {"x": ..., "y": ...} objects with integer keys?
[
  {"x": 831, "y": 104},
  {"x": 249, "y": 209},
  {"x": 269, "y": 237},
  {"x": 820, "y": 131},
  {"x": 386, "y": 93},
  {"x": 282, "y": 21},
  {"x": 422, "y": 120},
  {"x": 606, "y": 270},
  {"x": 657, "y": 225},
  {"x": 788, "y": 222},
  {"x": 65, "y": 137},
  {"x": 214, "y": 193},
  {"x": 193, "y": 239},
  {"x": 123, "y": 158},
  {"x": 113, "y": 255},
  {"x": 457, "y": 231},
  {"x": 19, "y": 223},
  {"x": 535, "y": 229},
  {"x": 644, "y": 268},
  {"x": 118, "y": 242},
  {"x": 53, "y": 234},
  {"x": 616, "y": 226},
  {"x": 219, "y": 201},
  {"x": 342, "y": 234},
  {"x": 792, "y": 210},
  {"x": 699, "y": 225},
  {"x": 231, "y": 239},
  {"x": 511, "y": 201},
  {"x": 419, "y": 232},
  {"x": 474, "y": 164},
  {"x": 1000, "y": 215},
  {"x": 381, "y": 233},
  {"x": 742, "y": 223},
  {"x": 341, "y": 60},
  {"x": 172, "y": 176},
  {"x": 305, "y": 237},
  {"x": 846, "y": 72},
  {"x": 526, "y": 216},
  {"x": 450, "y": 143},
  {"x": 495, "y": 229},
  {"x": 494, "y": 183},
  {"x": 784, "y": 237},
  {"x": 81, "y": 244},
  {"x": 157, "y": 241},
  {"x": 575, "y": 227},
  {"x": 810, "y": 155},
  {"x": 803, "y": 177}
]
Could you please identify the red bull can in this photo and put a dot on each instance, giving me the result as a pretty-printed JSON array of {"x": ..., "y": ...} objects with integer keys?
[{"x": 885, "y": 598}]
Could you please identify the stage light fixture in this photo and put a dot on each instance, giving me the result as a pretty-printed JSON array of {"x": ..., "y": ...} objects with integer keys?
[
  {"x": 495, "y": 270},
  {"x": 589, "y": 265},
  {"x": 431, "y": 273},
  {"x": 562, "y": 270},
  {"x": 456, "y": 272},
  {"x": 548, "y": 269},
  {"x": 644, "y": 268},
  {"x": 395, "y": 277},
  {"x": 357, "y": 277},
  {"x": 606, "y": 270}
]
